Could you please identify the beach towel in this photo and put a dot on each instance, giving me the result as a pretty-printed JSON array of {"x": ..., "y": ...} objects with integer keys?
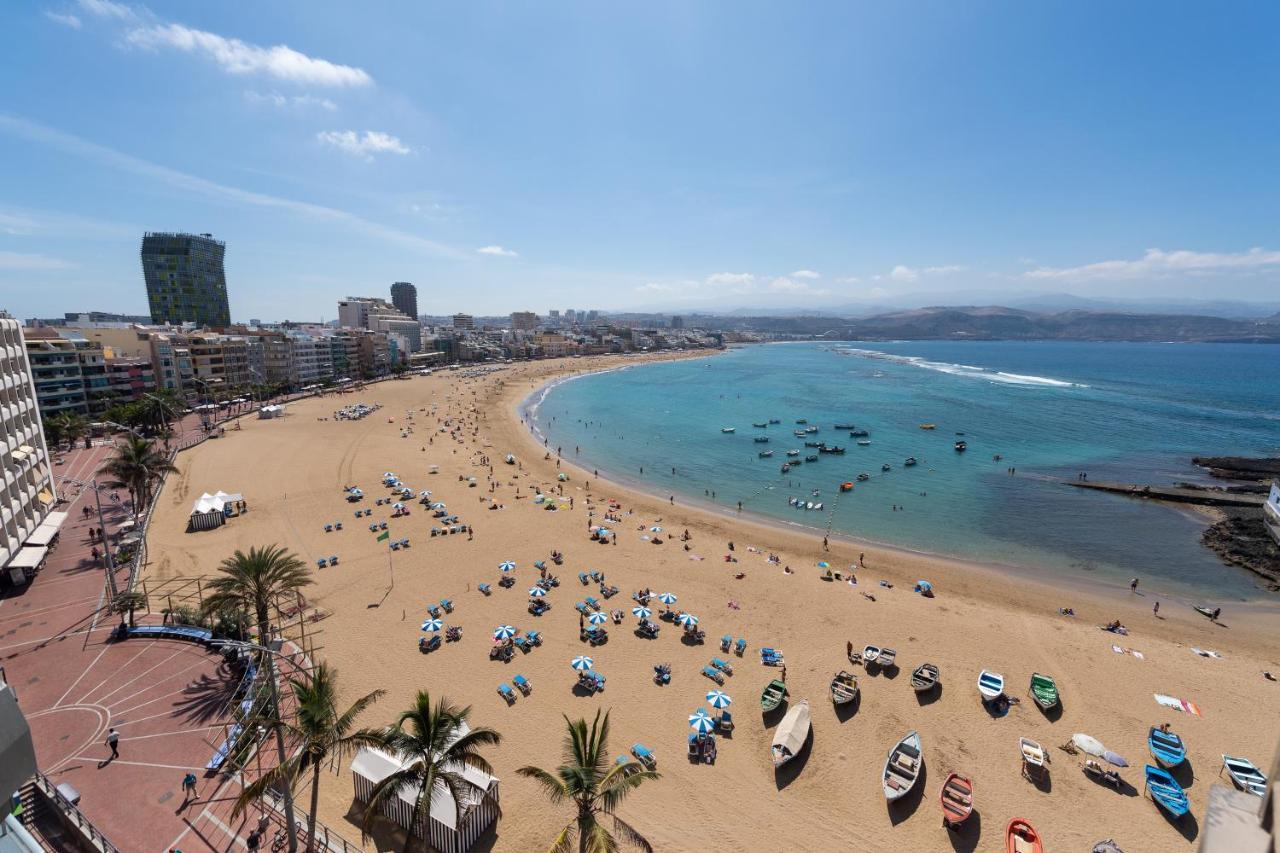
[
  {"x": 1178, "y": 704},
  {"x": 1126, "y": 651},
  {"x": 1207, "y": 653}
]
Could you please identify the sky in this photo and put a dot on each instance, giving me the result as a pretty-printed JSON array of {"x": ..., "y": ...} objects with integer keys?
[{"x": 683, "y": 156}]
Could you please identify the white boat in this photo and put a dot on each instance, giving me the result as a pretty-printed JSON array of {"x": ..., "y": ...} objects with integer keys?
[
  {"x": 990, "y": 685},
  {"x": 844, "y": 687},
  {"x": 870, "y": 653},
  {"x": 1245, "y": 774},
  {"x": 791, "y": 734},
  {"x": 793, "y": 452},
  {"x": 727, "y": 429},
  {"x": 1033, "y": 755},
  {"x": 864, "y": 442},
  {"x": 902, "y": 767}
]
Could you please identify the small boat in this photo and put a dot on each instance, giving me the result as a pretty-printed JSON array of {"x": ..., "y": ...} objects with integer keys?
[
  {"x": 831, "y": 448},
  {"x": 1245, "y": 774},
  {"x": 815, "y": 444},
  {"x": 902, "y": 767},
  {"x": 845, "y": 426},
  {"x": 1021, "y": 837},
  {"x": 760, "y": 426},
  {"x": 885, "y": 659},
  {"x": 1210, "y": 612},
  {"x": 786, "y": 466},
  {"x": 792, "y": 732},
  {"x": 870, "y": 653},
  {"x": 774, "y": 421},
  {"x": 817, "y": 505},
  {"x": 799, "y": 433},
  {"x": 885, "y": 467},
  {"x": 772, "y": 695},
  {"x": 812, "y": 457},
  {"x": 1166, "y": 792},
  {"x": 810, "y": 430},
  {"x": 1044, "y": 690},
  {"x": 765, "y": 454},
  {"x": 957, "y": 800},
  {"x": 727, "y": 429},
  {"x": 846, "y": 487},
  {"x": 864, "y": 442},
  {"x": 802, "y": 421},
  {"x": 1033, "y": 756},
  {"x": 928, "y": 426},
  {"x": 844, "y": 687},
  {"x": 961, "y": 446},
  {"x": 793, "y": 452},
  {"x": 925, "y": 677},
  {"x": 990, "y": 685},
  {"x": 910, "y": 460},
  {"x": 1166, "y": 747},
  {"x": 761, "y": 439},
  {"x": 859, "y": 433},
  {"x": 862, "y": 478},
  {"x": 1098, "y": 773}
]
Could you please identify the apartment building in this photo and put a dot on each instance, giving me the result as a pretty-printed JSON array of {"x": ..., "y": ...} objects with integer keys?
[{"x": 26, "y": 479}]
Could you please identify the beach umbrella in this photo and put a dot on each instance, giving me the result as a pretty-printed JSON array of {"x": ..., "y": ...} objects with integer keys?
[
  {"x": 719, "y": 699},
  {"x": 667, "y": 598},
  {"x": 504, "y": 632},
  {"x": 823, "y": 564},
  {"x": 397, "y": 506},
  {"x": 702, "y": 725},
  {"x": 432, "y": 625},
  {"x": 603, "y": 531},
  {"x": 1088, "y": 744},
  {"x": 701, "y": 712},
  {"x": 437, "y": 506},
  {"x": 641, "y": 611},
  {"x": 655, "y": 529},
  {"x": 388, "y": 474},
  {"x": 688, "y": 620},
  {"x": 1117, "y": 760},
  {"x": 537, "y": 592},
  {"x": 598, "y": 618},
  {"x": 425, "y": 493},
  {"x": 507, "y": 565},
  {"x": 582, "y": 663}
]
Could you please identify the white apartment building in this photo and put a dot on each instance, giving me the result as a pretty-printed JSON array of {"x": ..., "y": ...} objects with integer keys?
[{"x": 26, "y": 490}]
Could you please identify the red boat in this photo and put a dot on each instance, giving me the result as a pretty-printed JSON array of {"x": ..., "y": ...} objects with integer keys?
[
  {"x": 957, "y": 800},
  {"x": 1021, "y": 837}
]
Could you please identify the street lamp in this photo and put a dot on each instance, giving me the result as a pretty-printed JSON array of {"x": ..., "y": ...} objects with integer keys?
[{"x": 286, "y": 790}]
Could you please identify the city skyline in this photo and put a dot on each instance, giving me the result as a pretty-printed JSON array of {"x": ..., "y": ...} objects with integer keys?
[{"x": 681, "y": 160}]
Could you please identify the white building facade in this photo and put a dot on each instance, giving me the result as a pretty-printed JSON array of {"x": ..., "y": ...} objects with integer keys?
[{"x": 26, "y": 490}]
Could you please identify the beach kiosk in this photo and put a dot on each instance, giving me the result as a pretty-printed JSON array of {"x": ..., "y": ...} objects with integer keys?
[
  {"x": 450, "y": 832},
  {"x": 272, "y": 411},
  {"x": 210, "y": 511}
]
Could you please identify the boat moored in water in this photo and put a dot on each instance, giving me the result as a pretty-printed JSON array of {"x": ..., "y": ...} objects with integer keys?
[
  {"x": 846, "y": 487},
  {"x": 761, "y": 439},
  {"x": 727, "y": 430},
  {"x": 859, "y": 433},
  {"x": 864, "y": 442},
  {"x": 831, "y": 448},
  {"x": 863, "y": 477},
  {"x": 765, "y": 454},
  {"x": 928, "y": 426},
  {"x": 910, "y": 460},
  {"x": 885, "y": 467},
  {"x": 961, "y": 446}
]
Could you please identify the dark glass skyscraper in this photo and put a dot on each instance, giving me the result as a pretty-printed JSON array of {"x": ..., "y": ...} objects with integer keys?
[
  {"x": 405, "y": 297},
  {"x": 185, "y": 279}
]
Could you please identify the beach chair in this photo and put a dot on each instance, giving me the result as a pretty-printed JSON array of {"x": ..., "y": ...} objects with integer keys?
[
  {"x": 695, "y": 746},
  {"x": 533, "y": 638},
  {"x": 328, "y": 528},
  {"x": 485, "y": 588},
  {"x": 368, "y": 512},
  {"x": 722, "y": 665},
  {"x": 434, "y": 611},
  {"x": 740, "y": 646},
  {"x": 713, "y": 674},
  {"x": 359, "y": 513},
  {"x": 446, "y": 605},
  {"x": 771, "y": 657},
  {"x": 382, "y": 525},
  {"x": 395, "y": 546},
  {"x": 537, "y": 607},
  {"x": 597, "y": 636},
  {"x": 521, "y": 644},
  {"x": 582, "y": 576},
  {"x": 592, "y": 603},
  {"x": 337, "y": 525},
  {"x": 595, "y": 576},
  {"x": 695, "y": 635},
  {"x": 608, "y": 591},
  {"x": 725, "y": 721},
  {"x": 724, "y": 642},
  {"x": 581, "y": 607},
  {"x": 599, "y": 680},
  {"x": 404, "y": 543},
  {"x": 644, "y": 755},
  {"x": 435, "y": 531},
  {"x": 648, "y": 629},
  {"x": 662, "y": 673},
  {"x": 429, "y": 644},
  {"x": 522, "y": 684},
  {"x": 504, "y": 690},
  {"x": 321, "y": 563},
  {"x": 333, "y": 561}
]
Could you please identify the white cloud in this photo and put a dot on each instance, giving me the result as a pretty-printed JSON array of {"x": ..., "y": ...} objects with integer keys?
[
  {"x": 785, "y": 284},
  {"x": 739, "y": 279},
  {"x": 108, "y": 9},
  {"x": 903, "y": 273},
  {"x": 280, "y": 101},
  {"x": 943, "y": 270},
  {"x": 21, "y": 261},
  {"x": 849, "y": 279},
  {"x": 655, "y": 287},
  {"x": 363, "y": 144},
  {"x": 67, "y": 20},
  {"x": 1157, "y": 263},
  {"x": 809, "y": 274},
  {"x": 498, "y": 251},
  {"x": 238, "y": 57}
]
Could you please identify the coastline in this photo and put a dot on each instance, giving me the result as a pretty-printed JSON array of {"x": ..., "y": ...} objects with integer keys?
[{"x": 967, "y": 574}]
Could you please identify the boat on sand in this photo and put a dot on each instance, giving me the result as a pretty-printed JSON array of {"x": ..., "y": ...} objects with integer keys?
[
  {"x": 791, "y": 733},
  {"x": 1021, "y": 837},
  {"x": 772, "y": 695},
  {"x": 957, "y": 800},
  {"x": 1166, "y": 792},
  {"x": 1044, "y": 690},
  {"x": 902, "y": 767},
  {"x": 1166, "y": 747},
  {"x": 990, "y": 685},
  {"x": 1034, "y": 758},
  {"x": 925, "y": 678},
  {"x": 1245, "y": 774},
  {"x": 844, "y": 687}
]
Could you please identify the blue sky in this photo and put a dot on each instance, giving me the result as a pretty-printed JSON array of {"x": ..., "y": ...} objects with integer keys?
[{"x": 688, "y": 156}]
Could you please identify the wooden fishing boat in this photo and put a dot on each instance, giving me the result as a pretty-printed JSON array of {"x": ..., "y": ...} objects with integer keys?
[
  {"x": 1021, "y": 837},
  {"x": 1245, "y": 774},
  {"x": 1034, "y": 757},
  {"x": 844, "y": 687},
  {"x": 990, "y": 685},
  {"x": 1098, "y": 773},
  {"x": 925, "y": 677},
  {"x": 870, "y": 653},
  {"x": 1166, "y": 792},
  {"x": 1166, "y": 747},
  {"x": 886, "y": 657},
  {"x": 772, "y": 695},
  {"x": 791, "y": 734},
  {"x": 957, "y": 800},
  {"x": 1044, "y": 690},
  {"x": 902, "y": 767}
]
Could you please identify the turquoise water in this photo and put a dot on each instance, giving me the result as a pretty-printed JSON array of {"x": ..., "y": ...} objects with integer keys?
[{"x": 1130, "y": 412}]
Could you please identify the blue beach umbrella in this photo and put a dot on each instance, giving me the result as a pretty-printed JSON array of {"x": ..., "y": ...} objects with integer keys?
[
  {"x": 667, "y": 598},
  {"x": 718, "y": 699},
  {"x": 655, "y": 529},
  {"x": 702, "y": 725},
  {"x": 582, "y": 663},
  {"x": 641, "y": 611},
  {"x": 701, "y": 712},
  {"x": 823, "y": 564},
  {"x": 507, "y": 565},
  {"x": 432, "y": 625},
  {"x": 504, "y": 632},
  {"x": 537, "y": 592},
  {"x": 688, "y": 620},
  {"x": 598, "y": 618}
]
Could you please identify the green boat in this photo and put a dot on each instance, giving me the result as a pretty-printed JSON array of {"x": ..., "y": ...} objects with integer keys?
[
  {"x": 774, "y": 692},
  {"x": 1044, "y": 690}
]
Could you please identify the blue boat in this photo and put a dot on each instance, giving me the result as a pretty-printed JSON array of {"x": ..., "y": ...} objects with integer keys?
[
  {"x": 1166, "y": 792},
  {"x": 1166, "y": 748}
]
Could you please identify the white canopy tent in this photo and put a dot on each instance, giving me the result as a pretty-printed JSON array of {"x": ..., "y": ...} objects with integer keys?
[
  {"x": 209, "y": 511},
  {"x": 25, "y": 563}
]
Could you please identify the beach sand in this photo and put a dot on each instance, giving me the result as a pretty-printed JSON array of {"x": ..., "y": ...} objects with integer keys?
[{"x": 292, "y": 472}]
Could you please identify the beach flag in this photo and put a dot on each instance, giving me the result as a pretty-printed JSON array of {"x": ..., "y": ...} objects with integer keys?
[{"x": 386, "y": 534}]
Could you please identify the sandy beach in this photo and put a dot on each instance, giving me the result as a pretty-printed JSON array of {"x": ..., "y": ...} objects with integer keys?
[{"x": 292, "y": 472}]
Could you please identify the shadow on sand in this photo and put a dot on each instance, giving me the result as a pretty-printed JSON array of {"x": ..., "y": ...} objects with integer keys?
[{"x": 905, "y": 807}]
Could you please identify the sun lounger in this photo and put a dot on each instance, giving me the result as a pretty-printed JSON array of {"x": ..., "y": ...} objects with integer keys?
[
  {"x": 722, "y": 665},
  {"x": 504, "y": 690},
  {"x": 713, "y": 674},
  {"x": 740, "y": 646},
  {"x": 337, "y": 525},
  {"x": 434, "y": 611},
  {"x": 592, "y": 603},
  {"x": 695, "y": 747},
  {"x": 662, "y": 673},
  {"x": 771, "y": 657},
  {"x": 522, "y": 684},
  {"x": 521, "y": 644},
  {"x": 429, "y": 644},
  {"x": 725, "y": 721},
  {"x": 724, "y": 642},
  {"x": 453, "y": 634},
  {"x": 644, "y": 755},
  {"x": 582, "y": 576},
  {"x": 485, "y": 588},
  {"x": 328, "y": 528},
  {"x": 533, "y": 638},
  {"x": 446, "y": 605}
]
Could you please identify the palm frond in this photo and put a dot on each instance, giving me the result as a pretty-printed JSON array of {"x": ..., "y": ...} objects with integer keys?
[
  {"x": 630, "y": 835},
  {"x": 555, "y": 789}
]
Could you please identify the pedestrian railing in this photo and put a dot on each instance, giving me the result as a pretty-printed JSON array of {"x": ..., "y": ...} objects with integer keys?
[{"x": 73, "y": 817}]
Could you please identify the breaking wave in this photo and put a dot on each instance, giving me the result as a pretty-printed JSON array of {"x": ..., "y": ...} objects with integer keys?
[{"x": 966, "y": 370}]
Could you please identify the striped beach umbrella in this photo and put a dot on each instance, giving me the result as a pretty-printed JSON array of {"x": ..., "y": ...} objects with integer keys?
[
  {"x": 702, "y": 725},
  {"x": 437, "y": 505},
  {"x": 507, "y": 565},
  {"x": 667, "y": 598},
  {"x": 655, "y": 529},
  {"x": 701, "y": 712},
  {"x": 582, "y": 663},
  {"x": 598, "y": 618},
  {"x": 425, "y": 493},
  {"x": 688, "y": 620},
  {"x": 432, "y": 625},
  {"x": 641, "y": 611},
  {"x": 537, "y": 592},
  {"x": 504, "y": 632},
  {"x": 718, "y": 699}
]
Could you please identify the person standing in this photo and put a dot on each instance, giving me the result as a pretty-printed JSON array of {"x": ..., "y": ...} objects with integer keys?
[
  {"x": 1133, "y": 585},
  {"x": 1156, "y": 610},
  {"x": 254, "y": 841},
  {"x": 189, "y": 788},
  {"x": 113, "y": 741}
]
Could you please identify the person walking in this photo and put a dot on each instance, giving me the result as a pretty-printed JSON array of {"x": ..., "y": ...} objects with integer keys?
[
  {"x": 1156, "y": 610},
  {"x": 254, "y": 840},
  {"x": 113, "y": 741},
  {"x": 189, "y": 788},
  {"x": 1133, "y": 585}
]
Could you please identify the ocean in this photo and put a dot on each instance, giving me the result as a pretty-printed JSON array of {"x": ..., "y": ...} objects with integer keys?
[{"x": 1049, "y": 410}]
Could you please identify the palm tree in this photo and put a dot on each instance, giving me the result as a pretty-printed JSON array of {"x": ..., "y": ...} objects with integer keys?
[
  {"x": 436, "y": 743},
  {"x": 136, "y": 465},
  {"x": 67, "y": 427},
  {"x": 596, "y": 786},
  {"x": 127, "y": 602},
  {"x": 323, "y": 736},
  {"x": 251, "y": 583}
]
